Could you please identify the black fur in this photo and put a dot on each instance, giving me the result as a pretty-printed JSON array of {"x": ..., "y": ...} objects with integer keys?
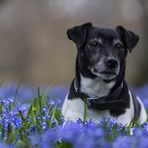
[{"x": 90, "y": 51}]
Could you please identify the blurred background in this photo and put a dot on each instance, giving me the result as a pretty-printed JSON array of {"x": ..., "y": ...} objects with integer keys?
[{"x": 34, "y": 45}]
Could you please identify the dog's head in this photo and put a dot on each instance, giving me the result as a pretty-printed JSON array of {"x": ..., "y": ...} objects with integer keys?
[{"x": 102, "y": 51}]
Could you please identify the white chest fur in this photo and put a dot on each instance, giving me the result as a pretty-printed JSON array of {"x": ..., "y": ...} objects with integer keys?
[
  {"x": 95, "y": 87},
  {"x": 74, "y": 109}
]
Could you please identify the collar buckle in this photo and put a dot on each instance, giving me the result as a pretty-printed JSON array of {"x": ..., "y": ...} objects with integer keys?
[{"x": 88, "y": 103}]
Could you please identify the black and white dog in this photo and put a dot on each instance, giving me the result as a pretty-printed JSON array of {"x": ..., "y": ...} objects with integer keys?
[{"x": 99, "y": 80}]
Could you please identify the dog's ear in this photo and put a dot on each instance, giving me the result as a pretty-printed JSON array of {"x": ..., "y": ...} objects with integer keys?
[
  {"x": 78, "y": 33},
  {"x": 129, "y": 38}
]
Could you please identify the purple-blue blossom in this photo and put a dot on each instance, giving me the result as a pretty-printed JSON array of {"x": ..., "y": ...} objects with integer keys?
[{"x": 46, "y": 128}]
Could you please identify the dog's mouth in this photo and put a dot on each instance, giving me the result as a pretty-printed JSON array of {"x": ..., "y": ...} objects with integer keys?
[
  {"x": 108, "y": 73},
  {"x": 105, "y": 74}
]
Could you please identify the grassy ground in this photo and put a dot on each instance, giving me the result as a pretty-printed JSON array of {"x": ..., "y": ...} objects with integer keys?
[{"x": 38, "y": 123}]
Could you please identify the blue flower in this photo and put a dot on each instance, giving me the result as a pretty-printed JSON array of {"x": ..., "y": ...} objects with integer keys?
[
  {"x": 122, "y": 142},
  {"x": 143, "y": 142},
  {"x": 4, "y": 145}
]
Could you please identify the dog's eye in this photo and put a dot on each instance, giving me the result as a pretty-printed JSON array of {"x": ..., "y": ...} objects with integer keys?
[
  {"x": 118, "y": 46},
  {"x": 93, "y": 44}
]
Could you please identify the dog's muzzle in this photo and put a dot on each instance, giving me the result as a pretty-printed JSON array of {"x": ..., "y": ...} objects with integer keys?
[{"x": 106, "y": 69}]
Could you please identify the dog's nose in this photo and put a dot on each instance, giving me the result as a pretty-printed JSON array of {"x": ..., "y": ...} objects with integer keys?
[{"x": 111, "y": 62}]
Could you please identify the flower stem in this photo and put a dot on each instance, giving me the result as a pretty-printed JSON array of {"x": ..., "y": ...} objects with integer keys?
[{"x": 84, "y": 117}]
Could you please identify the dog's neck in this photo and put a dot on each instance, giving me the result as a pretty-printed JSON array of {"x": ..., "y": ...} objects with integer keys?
[{"x": 95, "y": 88}]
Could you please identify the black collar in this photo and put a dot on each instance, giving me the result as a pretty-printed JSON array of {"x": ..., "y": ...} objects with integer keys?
[{"x": 114, "y": 101}]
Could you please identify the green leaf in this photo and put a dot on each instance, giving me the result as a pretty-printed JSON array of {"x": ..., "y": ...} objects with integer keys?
[
  {"x": 11, "y": 135},
  {"x": 63, "y": 144},
  {"x": 52, "y": 114},
  {"x": 21, "y": 115},
  {"x": 3, "y": 131},
  {"x": 39, "y": 100},
  {"x": 84, "y": 116},
  {"x": 45, "y": 95},
  {"x": 29, "y": 111},
  {"x": 35, "y": 103},
  {"x": 20, "y": 144}
]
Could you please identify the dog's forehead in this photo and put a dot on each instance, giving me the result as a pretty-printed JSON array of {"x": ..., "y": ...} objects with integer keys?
[{"x": 106, "y": 34}]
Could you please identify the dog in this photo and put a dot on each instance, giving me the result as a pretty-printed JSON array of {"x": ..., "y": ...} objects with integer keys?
[{"x": 99, "y": 82}]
